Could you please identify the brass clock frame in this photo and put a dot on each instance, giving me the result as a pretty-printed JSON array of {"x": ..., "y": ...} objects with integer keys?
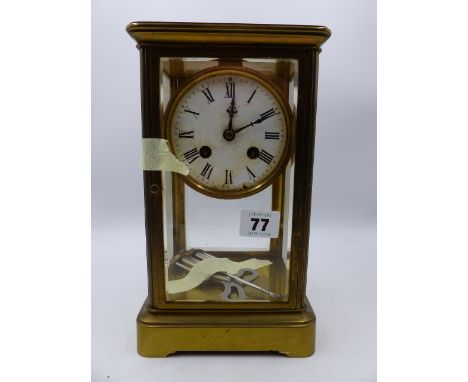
[
  {"x": 288, "y": 327},
  {"x": 285, "y": 109}
]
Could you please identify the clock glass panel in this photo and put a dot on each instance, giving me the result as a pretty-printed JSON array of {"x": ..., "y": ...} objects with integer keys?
[{"x": 227, "y": 223}]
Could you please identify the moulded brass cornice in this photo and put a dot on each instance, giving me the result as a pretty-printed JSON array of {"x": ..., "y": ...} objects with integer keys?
[{"x": 215, "y": 33}]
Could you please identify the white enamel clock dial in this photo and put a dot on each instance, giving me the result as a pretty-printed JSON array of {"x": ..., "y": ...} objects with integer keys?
[{"x": 231, "y": 128}]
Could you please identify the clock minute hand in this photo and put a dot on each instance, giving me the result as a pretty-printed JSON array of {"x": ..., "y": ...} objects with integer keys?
[
  {"x": 245, "y": 127},
  {"x": 263, "y": 116}
]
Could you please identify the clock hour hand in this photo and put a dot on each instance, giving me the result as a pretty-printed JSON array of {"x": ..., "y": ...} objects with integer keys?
[
  {"x": 228, "y": 133},
  {"x": 267, "y": 114},
  {"x": 231, "y": 111}
]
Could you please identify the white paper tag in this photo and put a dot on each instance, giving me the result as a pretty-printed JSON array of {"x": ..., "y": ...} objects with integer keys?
[
  {"x": 255, "y": 223},
  {"x": 157, "y": 157}
]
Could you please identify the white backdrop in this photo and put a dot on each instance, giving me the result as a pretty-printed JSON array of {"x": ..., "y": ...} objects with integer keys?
[{"x": 341, "y": 281}]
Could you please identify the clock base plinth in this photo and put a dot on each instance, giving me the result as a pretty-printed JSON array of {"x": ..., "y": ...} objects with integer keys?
[{"x": 161, "y": 333}]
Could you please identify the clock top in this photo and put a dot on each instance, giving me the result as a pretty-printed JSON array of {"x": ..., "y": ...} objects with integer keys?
[{"x": 225, "y": 33}]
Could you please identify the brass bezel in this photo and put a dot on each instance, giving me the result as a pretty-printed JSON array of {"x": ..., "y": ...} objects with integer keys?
[{"x": 275, "y": 92}]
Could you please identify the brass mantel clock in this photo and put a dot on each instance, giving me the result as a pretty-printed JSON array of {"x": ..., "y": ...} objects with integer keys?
[{"x": 228, "y": 114}]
